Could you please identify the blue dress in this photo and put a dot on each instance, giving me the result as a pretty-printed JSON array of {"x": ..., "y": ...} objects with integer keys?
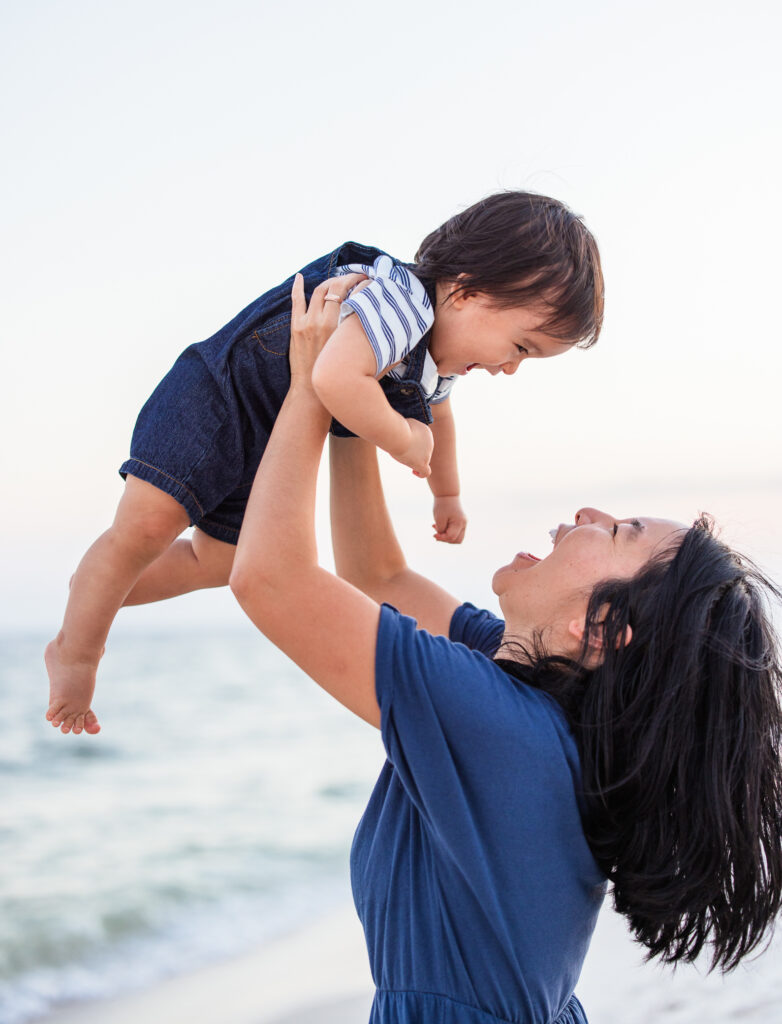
[{"x": 471, "y": 875}]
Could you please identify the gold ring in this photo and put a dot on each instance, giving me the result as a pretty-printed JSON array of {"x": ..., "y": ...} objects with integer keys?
[{"x": 332, "y": 297}]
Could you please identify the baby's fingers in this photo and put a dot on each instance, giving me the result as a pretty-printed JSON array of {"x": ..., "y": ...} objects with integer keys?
[{"x": 452, "y": 533}]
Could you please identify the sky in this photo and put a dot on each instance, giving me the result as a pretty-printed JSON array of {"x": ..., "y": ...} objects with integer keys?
[{"x": 166, "y": 162}]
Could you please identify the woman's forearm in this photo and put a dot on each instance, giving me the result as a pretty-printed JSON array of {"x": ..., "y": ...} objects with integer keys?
[
  {"x": 366, "y": 550},
  {"x": 278, "y": 535},
  {"x": 326, "y": 626}
]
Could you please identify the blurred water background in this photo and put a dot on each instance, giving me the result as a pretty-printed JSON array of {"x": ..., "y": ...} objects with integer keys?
[{"x": 214, "y": 811}]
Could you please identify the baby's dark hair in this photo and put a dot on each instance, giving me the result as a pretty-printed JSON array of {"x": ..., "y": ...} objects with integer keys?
[
  {"x": 522, "y": 249},
  {"x": 679, "y": 734}
]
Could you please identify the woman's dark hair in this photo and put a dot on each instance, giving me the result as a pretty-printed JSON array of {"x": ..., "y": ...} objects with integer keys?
[
  {"x": 522, "y": 249},
  {"x": 679, "y": 735}
]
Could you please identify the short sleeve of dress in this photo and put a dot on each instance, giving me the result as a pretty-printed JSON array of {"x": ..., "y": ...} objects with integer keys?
[
  {"x": 477, "y": 629},
  {"x": 455, "y": 726},
  {"x": 394, "y": 309}
]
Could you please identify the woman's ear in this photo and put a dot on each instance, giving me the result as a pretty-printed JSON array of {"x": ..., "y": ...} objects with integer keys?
[{"x": 596, "y": 640}]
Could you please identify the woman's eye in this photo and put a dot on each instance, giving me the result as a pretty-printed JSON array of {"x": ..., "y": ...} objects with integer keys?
[{"x": 521, "y": 349}]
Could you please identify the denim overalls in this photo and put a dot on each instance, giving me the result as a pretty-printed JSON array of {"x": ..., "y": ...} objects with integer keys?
[{"x": 201, "y": 434}]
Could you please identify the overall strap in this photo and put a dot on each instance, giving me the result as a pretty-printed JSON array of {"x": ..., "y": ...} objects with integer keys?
[{"x": 416, "y": 359}]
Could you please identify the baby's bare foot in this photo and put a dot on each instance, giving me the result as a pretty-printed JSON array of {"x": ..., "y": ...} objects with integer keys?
[{"x": 71, "y": 686}]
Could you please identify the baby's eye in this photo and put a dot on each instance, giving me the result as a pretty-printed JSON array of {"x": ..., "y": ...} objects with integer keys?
[{"x": 615, "y": 529}]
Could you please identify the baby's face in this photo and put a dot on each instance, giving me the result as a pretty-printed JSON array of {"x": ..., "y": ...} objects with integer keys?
[{"x": 471, "y": 333}]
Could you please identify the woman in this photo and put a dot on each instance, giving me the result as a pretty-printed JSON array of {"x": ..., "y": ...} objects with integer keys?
[{"x": 622, "y": 723}]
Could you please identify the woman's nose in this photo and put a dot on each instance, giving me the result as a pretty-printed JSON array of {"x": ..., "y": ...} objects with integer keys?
[
  {"x": 584, "y": 516},
  {"x": 510, "y": 368}
]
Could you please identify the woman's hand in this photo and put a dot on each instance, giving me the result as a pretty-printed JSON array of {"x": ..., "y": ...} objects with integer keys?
[{"x": 311, "y": 327}]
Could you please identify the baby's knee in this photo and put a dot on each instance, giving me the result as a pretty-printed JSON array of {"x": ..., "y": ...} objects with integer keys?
[
  {"x": 148, "y": 517},
  {"x": 141, "y": 540}
]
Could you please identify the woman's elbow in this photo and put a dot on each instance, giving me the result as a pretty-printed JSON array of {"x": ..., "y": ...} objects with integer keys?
[
  {"x": 248, "y": 586},
  {"x": 239, "y": 582}
]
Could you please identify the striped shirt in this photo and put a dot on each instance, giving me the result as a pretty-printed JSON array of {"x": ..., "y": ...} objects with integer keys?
[{"x": 395, "y": 313}]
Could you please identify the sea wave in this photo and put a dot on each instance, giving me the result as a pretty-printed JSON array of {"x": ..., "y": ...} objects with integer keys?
[{"x": 214, "y": 811}]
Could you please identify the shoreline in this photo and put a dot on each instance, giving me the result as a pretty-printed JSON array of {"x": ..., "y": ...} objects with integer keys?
[{"x": 318, "y": 973}]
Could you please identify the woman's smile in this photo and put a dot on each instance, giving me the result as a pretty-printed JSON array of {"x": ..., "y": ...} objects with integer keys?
[{"x": 527, "y": 556}]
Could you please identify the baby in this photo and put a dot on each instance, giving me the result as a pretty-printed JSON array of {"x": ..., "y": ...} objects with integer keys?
[{"x": 516, "y": 276}]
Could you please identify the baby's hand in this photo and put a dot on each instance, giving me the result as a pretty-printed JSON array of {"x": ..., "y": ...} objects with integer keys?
[
  {"x": 450, "y": 522},
  {"x": 418, "y": 453}
]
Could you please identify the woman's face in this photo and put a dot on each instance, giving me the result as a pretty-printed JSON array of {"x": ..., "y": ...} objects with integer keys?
[{"x": 551, "y": 594}]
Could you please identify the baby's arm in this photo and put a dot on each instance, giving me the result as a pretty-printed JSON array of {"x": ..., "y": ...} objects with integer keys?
[
  {"x": 450, "y": 521},
  {"x": 344, "y": 380}
]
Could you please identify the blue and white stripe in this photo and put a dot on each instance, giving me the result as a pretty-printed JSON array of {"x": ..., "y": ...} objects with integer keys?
[{"x": 395, "y": 312}]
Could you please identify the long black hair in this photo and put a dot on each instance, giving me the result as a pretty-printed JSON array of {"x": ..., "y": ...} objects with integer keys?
[
  {"x": 520, "y": 249},
  {"x": 679, "y": 733}
]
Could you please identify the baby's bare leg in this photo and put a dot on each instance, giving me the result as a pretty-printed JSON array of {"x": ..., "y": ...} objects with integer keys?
[
  {"x": 185, "y": 566},
  {"x": 146, "y": 523}
]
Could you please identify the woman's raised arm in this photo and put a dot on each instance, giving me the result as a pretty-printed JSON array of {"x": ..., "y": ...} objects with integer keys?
[
  {"x": 325, "y": 625},
  {"x": 366, "y": 550}
]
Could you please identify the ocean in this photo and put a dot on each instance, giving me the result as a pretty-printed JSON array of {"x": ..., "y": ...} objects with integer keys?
[{"x": 213, "y": 812}]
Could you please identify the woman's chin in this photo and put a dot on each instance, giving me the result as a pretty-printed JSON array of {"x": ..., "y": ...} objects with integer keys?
[
  {"x": 496, "y": 580},
  {"x": 522, "y": 561}
]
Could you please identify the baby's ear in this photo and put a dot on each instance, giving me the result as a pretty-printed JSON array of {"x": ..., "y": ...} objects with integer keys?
[{"x": 457, "y": 296}]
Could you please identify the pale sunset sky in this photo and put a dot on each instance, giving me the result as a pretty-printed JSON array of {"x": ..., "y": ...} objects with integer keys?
[{"x": 166, "y": 162}]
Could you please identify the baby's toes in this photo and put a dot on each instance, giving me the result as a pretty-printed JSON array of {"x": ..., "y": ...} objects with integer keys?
[
  {"x": 55, "y": 716},
  {"x": 91, "y": 724},
  {"x": 67, "y": 723},
  {"x": 78, "y": 724},
  {"x": 54, "y": 712}
]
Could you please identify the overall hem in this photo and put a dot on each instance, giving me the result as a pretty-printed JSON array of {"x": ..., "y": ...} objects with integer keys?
[
  {"x": 164, "y": 482},
  {"x": 228, "y": 534}
]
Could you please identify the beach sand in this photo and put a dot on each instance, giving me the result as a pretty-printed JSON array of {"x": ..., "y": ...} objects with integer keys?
[
  {"x": 617, "y": 987},
  {"x": 320, "y": 975}
]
